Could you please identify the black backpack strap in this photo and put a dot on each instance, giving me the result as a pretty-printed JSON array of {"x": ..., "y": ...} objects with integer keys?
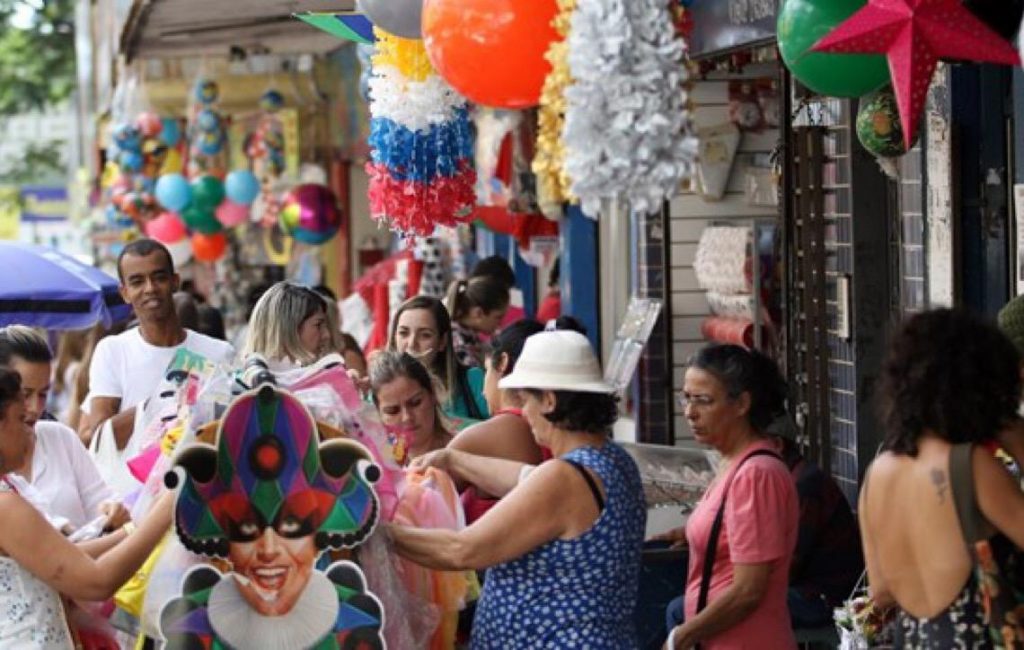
[
  {"x": 961, "y": 479},
  {"x": 716, "y": 532},
  {"x": 591, "y": 483}
]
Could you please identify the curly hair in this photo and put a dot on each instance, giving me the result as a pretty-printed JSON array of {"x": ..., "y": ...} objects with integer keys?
[
  {"x": 950, "y": 373},
  {"x": 745, "y": 371},
  {"x": 584, "y": 412}
]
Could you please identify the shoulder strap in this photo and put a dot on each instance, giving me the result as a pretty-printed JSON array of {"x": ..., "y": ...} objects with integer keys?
[
  {"x": 716, "y": 532},
  {"x": 591, "y": 483},
  {"x": 961, "y": 479}
]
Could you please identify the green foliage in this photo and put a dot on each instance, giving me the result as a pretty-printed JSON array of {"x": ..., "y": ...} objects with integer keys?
[
  {"x": 37, "y": 54},
  {"x": 39, "y": 163}
]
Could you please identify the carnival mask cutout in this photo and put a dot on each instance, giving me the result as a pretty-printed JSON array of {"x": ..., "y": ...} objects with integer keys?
[{"x": 270, "y": 499}]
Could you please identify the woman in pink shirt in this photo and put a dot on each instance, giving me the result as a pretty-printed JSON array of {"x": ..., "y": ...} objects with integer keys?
[{"x": 736, "y": 596}]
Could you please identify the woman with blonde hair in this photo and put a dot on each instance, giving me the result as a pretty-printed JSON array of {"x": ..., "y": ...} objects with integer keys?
[{"x": 289, "y": 326}]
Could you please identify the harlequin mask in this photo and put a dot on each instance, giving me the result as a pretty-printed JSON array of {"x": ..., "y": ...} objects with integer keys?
[{"x": 270, "y": 470}]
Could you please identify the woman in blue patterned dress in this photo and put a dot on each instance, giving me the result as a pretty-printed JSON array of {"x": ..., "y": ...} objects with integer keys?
[{"x": 563, "y": 547}]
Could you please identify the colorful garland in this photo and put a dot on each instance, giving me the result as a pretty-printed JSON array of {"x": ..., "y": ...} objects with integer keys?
[
  {"x": 628, "y": 134},
  {"x": 421, "y": 170},
  {"x": 553, "y": 184}
]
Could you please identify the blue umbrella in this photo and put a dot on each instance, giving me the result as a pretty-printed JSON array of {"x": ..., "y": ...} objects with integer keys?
[{"x": 41, "y": 287}]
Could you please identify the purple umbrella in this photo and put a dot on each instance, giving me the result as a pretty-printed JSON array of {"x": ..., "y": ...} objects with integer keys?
[{"x": 42, "y": 287}]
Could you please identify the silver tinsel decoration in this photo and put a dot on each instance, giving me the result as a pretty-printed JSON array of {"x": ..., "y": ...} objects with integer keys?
[{"x": 628, "y": 132}]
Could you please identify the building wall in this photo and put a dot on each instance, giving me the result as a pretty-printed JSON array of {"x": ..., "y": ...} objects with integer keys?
[{"x": 689, "y": 214}]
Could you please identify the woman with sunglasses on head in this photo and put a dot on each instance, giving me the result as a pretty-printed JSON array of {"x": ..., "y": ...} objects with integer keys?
[
  {"x": 563, "y": 547},
  {"x": 289, "y": 327},
  {"x": 743, "y": 532},
  {"x": 422, "y": 328}
]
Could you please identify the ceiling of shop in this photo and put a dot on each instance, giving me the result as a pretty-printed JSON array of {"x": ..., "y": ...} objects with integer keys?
[{"x": 176, "y": 28}]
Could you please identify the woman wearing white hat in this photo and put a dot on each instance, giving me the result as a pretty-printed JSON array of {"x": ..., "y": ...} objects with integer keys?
[{"x": 563, "y": 547}]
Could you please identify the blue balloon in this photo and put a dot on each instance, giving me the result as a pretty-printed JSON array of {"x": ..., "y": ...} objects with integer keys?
[
  {"x": 130, "y": 161},
  {"x": 170, "y": 135},
  {"x": 242, "y": 187},
  {"x": 208, "y": 121},
  {"x": 173, "y": 192}
]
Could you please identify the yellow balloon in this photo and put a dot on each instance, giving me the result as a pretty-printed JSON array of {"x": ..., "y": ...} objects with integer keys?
[
  {"x": 110, "y": 174},
  {"x": 172, "y": 163}
]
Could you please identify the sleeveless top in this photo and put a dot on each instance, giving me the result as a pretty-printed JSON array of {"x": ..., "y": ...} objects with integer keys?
[
  {"x": 960, "y": 626},
  {"x": 578, "y": 593},
  {"x": 31, "y": 613}
]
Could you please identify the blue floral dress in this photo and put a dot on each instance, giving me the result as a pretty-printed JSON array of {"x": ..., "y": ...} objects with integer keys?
[{"x": 578, "y": 593}]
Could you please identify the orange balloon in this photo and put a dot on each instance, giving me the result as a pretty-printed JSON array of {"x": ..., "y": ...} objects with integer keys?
[
  {"x": 491, "y": 51},
  {"x": 209, "y": 248}
]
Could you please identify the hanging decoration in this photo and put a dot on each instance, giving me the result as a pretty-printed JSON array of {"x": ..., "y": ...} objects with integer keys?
[
  {"x": 914, "y": 35},
  {"x": 398, "y": 17},
  {"x": 310, "y": 214},
  {"x": 265, "y": 148},
  {"x": 628, "y": 133},
  {"x": 347, "y": 25},
  {"x": 207, "y": 132},
  {"x": 879, "y": 128},
  {"x": 492, "y": 51},
  {"x": 553, "y": 184},
  {"x": 421, "y": 170},
  {"x": 136, "y": 154},
  {"x": 801, "y": 23}
]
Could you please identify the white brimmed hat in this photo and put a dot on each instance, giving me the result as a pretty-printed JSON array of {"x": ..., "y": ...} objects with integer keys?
[{"x": 560, "y": 360}]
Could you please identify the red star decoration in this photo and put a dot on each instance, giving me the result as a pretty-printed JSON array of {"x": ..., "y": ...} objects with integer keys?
[{"x": 914, "y": 35}]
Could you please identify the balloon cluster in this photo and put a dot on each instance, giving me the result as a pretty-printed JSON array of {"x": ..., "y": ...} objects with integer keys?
[
  {"x": 139, "y": 150},
  {"x": 205, "y": 206},
  {"x": 421, "y": 170}
]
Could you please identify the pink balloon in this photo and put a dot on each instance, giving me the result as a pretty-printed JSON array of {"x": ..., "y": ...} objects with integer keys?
[
  {"x": 232, "y": 214},
  {"x": 168, "y": 228}
]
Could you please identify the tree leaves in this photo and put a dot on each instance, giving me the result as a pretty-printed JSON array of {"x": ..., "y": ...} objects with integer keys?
[{"x": 37, "y": 54}]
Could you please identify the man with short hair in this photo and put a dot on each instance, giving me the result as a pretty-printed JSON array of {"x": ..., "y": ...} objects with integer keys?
[{"x": 126, "y": 369}]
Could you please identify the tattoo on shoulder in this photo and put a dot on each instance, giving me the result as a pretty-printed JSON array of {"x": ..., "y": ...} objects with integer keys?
[{"x": 940, "y": 483}]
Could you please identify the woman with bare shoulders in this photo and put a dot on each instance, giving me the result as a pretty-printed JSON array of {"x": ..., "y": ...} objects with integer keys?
[{"x": 949, "y": 390}]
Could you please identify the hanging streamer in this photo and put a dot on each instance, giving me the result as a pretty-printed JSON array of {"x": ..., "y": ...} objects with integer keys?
[{"x": 421, "y": 171}]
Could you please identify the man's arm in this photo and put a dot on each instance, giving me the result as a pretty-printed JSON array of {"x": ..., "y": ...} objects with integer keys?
[{"x": 103, "y": 409}]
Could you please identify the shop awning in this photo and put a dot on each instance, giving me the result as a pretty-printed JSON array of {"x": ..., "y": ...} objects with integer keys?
[{"x": 174, "y": 28}]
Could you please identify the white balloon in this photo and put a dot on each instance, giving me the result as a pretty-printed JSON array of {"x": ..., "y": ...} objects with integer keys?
[
  {"x": 398, "y": 17},
  {"x": 181, "y": 252}
]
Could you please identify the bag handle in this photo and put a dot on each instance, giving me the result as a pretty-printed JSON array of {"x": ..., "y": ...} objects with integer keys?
[{"x": 716, "y": 532}]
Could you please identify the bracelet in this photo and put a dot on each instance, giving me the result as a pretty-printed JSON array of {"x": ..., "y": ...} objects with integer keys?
[
  {"x": 128, "y": 528},
  {"x": 671, "y": 643}
]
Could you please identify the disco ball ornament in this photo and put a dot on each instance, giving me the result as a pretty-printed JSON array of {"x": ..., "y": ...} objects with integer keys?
[
  {"x": 206, "y": 91},
  {"x": 310, "y": 213},
  {"x": 879, "y": 128}
]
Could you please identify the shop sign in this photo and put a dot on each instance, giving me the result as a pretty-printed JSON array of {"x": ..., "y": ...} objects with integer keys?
[{"x": 731, "y": 24}]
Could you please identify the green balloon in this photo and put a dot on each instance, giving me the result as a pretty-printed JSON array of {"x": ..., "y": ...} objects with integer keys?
[
  {"x": 202, "y": 220},
  {"x": 207, "y": 192},
  {"x": 802, "y": 23}
]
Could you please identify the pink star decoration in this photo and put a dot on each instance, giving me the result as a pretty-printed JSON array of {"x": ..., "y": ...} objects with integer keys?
[{"x": 914, "y": 34}]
